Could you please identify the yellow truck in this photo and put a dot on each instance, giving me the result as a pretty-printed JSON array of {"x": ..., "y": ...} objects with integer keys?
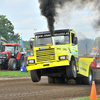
[{"x": 56, "y": 56}]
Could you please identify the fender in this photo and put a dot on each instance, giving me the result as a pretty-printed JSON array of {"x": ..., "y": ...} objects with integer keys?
[
  {"x": 94, "y": 63},
  {"x": 18, "y": 55},
  {"x": 84, "y": 65}
]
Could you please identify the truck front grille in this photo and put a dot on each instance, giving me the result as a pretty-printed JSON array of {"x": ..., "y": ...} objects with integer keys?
[{"x": 45, "y": 55}]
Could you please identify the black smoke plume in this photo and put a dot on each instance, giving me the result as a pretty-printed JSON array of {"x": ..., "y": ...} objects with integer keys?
[
  {"x": 96, "y": 7},
  {"x": 48, "y": 9}
]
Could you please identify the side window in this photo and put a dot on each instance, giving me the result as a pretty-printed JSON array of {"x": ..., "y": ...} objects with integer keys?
[
  {"x": 72, "y": 35},
  {"x": 17, "y": 49},
  {"x": 67, "y": 39}
]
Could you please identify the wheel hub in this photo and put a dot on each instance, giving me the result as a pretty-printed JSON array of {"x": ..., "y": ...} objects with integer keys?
[
  {"x": 14, "y": 65},
  {"x": 90, "y": 77},
  {"x": 23, "y": 63},
  {"x": 74, "y": 70}
]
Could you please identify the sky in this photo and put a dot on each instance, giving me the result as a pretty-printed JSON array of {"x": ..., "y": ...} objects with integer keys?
[{"x": 26, "y": 17}]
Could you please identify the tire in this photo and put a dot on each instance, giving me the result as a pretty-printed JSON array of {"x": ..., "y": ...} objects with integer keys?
[
  {"x": 35, "y": 75},
  {"x": 58, "y": 80},
  {"x": 2, "y": 67},
  {"x": 51, "y": 80},
  {"x": 71, "y": 70},
  {"x": 12, "y": 64},
  {"x": 63, "y": 77},
  {"x": 22, "y": 62},
  {"x": 88, "y": 80},
  {"x": 79, "y": 80}
]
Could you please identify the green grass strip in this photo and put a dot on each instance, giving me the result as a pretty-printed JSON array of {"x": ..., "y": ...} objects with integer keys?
[
  {"x": 13, "y": 73},
  {"x": 83, "y": 99}
]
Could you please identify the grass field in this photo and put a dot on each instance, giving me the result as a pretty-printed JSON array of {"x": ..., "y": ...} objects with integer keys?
[
  {"x": 84, "y": 99},
  {"x": 13, "y": 74}
]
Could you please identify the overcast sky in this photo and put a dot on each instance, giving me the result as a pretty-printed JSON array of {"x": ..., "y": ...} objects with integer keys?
[{"x": 26, "y": 17}]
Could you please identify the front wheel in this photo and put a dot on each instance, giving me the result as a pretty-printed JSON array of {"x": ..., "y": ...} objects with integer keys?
[
  {"x": 12, "y": 64},
  {"x": 88, "y": 80},
  {"x": 51, "y": 79},
  {"x": 35, "y": 75},
  {"x": 71, "y": 70}
]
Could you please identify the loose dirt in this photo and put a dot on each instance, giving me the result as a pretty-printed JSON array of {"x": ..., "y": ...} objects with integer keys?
[{"x": 25, "y": 89}]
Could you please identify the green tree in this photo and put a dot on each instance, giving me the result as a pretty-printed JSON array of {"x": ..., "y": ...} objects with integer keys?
[
  {"x": 21, "y": 49},
  {"x": 96, "y": 42},
  {"x": 26, "y": 43},
  {"x": 27, "y": 47},
  {"x": 14, "y": 38},
  {"x": 7, "y": 29}
]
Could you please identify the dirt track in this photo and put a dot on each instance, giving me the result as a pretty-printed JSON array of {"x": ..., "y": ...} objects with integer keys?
[{"x": 25, "y": 89}]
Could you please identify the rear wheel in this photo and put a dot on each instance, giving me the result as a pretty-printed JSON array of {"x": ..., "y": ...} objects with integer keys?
[
  {"x": 71, "y": 70},
  {"x": 35, "y": 75},
  {"x": 12, "y": 64},
  {"x": 57, "y": 80},
  {"x": 0, "y": 67},
  {"x": 79, "y": 80},
  {"x": 22, "y": 62},
  {"x": 88, "y": 80},
  {"x": 51, "y": 80}
]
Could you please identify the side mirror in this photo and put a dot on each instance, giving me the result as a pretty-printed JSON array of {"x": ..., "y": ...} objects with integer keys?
[
  {"x": 31, "y": 45},
  {"x": 75, "y": 40}
]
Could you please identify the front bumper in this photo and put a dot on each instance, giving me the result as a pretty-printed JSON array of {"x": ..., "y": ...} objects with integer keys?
[
  {"x": 47, "y": 65},
  {"x": 3, "y": 61}
]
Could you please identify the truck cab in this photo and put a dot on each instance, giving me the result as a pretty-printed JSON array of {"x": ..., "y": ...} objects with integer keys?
[
  {"x": 54, "y": 56},
  {"x": 13, "y": 49}
]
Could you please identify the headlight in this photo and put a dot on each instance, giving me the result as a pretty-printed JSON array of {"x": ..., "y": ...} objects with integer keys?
[
  {"x": 31, "y": 61},
  {"x": 63, "y": 57}
]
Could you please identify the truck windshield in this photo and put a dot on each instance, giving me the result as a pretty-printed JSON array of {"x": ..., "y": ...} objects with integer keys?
[
  {"x": 61, "y": 39},
  {"x": 43, "y": 41},
  {"x": 55, "y": 40},
  {"x": 9, "y": 49}
]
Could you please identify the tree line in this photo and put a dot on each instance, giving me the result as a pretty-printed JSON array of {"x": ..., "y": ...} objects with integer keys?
[{"x": 7, "y": 31}]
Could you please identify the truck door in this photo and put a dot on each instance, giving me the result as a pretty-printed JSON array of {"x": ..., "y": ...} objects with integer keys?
[{"x": 74, "y": 47}]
